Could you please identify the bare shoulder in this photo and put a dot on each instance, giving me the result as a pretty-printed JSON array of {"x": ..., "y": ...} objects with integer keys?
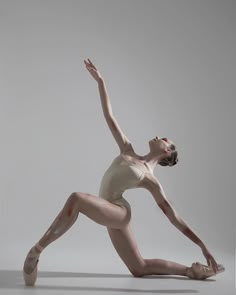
[
  {"x": 149, "y": 182},
  {"x": 128, "y": 148}
]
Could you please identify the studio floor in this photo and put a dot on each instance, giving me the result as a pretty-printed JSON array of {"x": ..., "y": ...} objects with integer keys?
[{"x": 112, "y": 278}]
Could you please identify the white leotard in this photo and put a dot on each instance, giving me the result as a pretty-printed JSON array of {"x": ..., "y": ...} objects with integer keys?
[{"x": 120, "y": 176}]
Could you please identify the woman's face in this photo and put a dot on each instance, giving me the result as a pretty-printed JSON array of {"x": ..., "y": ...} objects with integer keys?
[{"x": 161, "y": 144}]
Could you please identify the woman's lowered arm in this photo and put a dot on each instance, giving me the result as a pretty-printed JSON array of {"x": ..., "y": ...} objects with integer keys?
[
  {"x": 154, "y": 186},
  {"x": 160, "y": 198},
  {"x": 121, "y": 139}
]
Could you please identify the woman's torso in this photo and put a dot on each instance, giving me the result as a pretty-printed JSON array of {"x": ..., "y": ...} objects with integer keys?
[{"x": 125, "y": 172}]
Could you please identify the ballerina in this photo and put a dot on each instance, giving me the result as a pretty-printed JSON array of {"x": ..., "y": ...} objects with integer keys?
[{"x": 127, "y": 171}]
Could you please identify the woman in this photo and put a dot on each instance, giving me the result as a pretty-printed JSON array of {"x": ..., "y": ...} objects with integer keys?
[{"x": 127, "y": 171}]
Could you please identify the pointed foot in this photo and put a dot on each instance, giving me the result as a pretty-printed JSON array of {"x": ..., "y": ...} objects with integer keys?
[
  {"x": 31, "y": 278},
  {"x": 199, "y": 271}
]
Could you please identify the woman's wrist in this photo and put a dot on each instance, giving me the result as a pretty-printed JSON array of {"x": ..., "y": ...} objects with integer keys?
[{"x": 100, "y": 80}]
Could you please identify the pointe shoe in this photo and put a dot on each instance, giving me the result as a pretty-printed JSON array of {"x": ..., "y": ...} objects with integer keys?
[
  {"x": 30, "y": 278},
  {"x": 201, "y": 272}
]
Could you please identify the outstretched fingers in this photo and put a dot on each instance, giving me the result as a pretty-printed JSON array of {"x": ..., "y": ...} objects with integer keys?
[{"x": 90, "y": 64}]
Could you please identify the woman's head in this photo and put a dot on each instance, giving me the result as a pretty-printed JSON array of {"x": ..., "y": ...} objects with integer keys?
[{"x": 165, "y": 149}]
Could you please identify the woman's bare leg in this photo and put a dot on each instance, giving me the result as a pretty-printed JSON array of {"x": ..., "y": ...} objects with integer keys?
[
  {"x": 164, "y": 267},
  {"x": 97, "y": 209},
  {"x": 124, "y": 242},
  {"x": 64, "y": 220}
]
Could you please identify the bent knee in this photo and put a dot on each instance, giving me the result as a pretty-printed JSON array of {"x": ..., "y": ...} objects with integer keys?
[
  {"x": 78, "y": 195},
  {"x": 137, "y": 273},
  {"x": 76, "y": 198},
  {"x": 82, "y": 200}
]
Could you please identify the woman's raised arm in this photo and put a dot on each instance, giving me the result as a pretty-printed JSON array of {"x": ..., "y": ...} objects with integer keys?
[{"x": 121, "y": 139}]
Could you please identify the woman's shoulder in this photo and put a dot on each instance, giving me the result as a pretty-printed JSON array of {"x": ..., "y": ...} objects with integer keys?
[
  {"x": 131, "y": 157},
  {"x": 135, "y": 160}
]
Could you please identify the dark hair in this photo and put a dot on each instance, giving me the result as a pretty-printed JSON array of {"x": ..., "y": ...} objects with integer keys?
[{"x": 171, "y": 160}]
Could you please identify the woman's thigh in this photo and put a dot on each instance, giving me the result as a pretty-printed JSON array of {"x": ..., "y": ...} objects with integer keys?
[
  {"x": 125, "y": 244},
  {"x": 102, "y": 211}
]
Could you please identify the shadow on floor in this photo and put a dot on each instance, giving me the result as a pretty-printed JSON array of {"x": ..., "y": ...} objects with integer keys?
[{"x": 13, "y": 279}]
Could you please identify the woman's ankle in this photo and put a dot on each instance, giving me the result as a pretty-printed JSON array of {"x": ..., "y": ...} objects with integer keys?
[
  {"x": 38, "y": 248},
  {"x": 189, "y": 272}
]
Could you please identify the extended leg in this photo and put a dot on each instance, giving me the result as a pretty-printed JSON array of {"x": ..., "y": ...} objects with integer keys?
[
  {"x": 126, "y": 247},
  {"x": 164, "y": 267},
  {"x": 196, "y": 271},
  {"x": 97, "y": 209},
  {"x": 61, "y": 224}
]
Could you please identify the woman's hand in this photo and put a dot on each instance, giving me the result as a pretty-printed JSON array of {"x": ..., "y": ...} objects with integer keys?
[
  {"x": 210, "y": 259},
  {"x": 93, "y": 70}
]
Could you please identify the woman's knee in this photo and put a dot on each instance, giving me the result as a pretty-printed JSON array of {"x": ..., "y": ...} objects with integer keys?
[
  {"x": 138, "y": 272},
  {"x": 77, "y": 196},
  {"x": 75, "y": 199}
]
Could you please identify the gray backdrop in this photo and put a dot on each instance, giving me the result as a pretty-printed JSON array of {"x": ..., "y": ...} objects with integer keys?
[{"x": 169, "y": 71}]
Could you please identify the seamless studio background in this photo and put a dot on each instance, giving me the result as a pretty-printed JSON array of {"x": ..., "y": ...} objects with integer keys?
[{"x": 169, "y": 71}]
